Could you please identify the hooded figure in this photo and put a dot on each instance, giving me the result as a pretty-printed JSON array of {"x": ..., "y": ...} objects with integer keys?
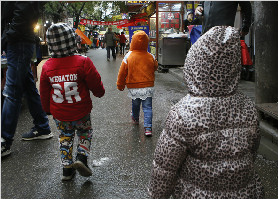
[
  {"x": 137, "y": 73},
  {"x": 66, "y": 84},
  {"x": 138, "y": 66},
  {"x": 208, "y": 146}
]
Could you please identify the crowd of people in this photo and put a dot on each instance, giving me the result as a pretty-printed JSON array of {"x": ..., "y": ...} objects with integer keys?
[
  {"x": 114, "y": 42},
  {"x": 210, "y": 138}
]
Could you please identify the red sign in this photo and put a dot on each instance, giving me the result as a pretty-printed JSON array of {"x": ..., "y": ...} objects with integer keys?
[{"x": 121, "y": 22}]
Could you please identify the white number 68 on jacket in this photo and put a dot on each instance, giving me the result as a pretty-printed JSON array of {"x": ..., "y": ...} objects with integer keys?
[{"x": 70, "y": 91}]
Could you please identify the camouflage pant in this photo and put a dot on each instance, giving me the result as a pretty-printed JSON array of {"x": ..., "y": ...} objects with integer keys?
[{"x": 66, "y": 138}]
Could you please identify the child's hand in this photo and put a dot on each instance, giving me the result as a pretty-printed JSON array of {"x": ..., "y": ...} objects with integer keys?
[{"x": 121, "y": 88}]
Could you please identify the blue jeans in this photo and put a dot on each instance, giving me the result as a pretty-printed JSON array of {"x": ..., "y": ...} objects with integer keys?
[
  {"x": 112, "y": 48},
  {"x": 19, "y": 81},
  {"x": 147, "y": 109}
]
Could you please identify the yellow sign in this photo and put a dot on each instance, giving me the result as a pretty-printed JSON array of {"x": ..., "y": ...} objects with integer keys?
[
  {"x": 81, "y": 27},
  {"x": 189, "y": 6},
  {"x": 153, "y": 50},
  {"x": 117, "y": 17},
  {"x": 136, "y": 2}
]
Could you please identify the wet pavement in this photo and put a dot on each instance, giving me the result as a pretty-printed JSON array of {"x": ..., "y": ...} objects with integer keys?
[{"x": 121, "y": 156}]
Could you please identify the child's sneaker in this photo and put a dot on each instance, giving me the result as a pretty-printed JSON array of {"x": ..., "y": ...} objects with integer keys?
[
  {"x": 148, "y": 131},
  {"x": 68, "y": 173},
  {"x": 134, "y": 121},
  {"x": 81, "y": 165}
]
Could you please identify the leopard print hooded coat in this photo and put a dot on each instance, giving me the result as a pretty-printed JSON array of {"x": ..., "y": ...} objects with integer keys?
[{"x": 208, "y": 145}]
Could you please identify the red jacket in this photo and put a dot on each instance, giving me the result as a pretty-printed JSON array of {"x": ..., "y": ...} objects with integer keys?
[
  {"x": 122, "y": 39},
  {"x": 65, "y": 84}
]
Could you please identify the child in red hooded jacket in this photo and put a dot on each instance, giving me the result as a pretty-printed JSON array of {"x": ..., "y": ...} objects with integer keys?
[
  {"x": 137, "y": 73},
  {"x": 65, "y": 85}
]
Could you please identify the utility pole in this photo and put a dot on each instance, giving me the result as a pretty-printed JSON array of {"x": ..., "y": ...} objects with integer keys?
[
  {"x": 266, "y": 51},
  {"x": 266, "y": 75}
]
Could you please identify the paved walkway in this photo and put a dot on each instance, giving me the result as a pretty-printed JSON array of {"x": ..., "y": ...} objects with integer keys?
[{"x": 121, "y": 156}]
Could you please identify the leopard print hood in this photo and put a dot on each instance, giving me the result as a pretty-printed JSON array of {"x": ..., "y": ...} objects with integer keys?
[
  {"x": 210, "y": 137},
  {"x": 213, "y": 63}
]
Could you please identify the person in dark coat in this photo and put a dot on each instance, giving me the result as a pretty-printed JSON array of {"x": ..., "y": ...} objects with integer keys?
[
  {"x": 109, "y": 40},
  {"x": 17, "y": 27},
  {"x": 222, "y": 13}
]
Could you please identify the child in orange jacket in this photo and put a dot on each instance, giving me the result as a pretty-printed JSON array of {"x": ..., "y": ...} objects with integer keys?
[{"x": 137, "y": 74}]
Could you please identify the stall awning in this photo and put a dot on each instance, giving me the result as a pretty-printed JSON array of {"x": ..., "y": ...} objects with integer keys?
[{"x": 85, "y": 39}]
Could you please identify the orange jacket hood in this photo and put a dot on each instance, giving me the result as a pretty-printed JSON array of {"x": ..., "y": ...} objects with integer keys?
[{"x": 140, "y": 41}]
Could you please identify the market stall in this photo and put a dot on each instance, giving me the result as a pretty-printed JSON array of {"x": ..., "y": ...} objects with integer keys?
[{"x": 172, "y": 49}]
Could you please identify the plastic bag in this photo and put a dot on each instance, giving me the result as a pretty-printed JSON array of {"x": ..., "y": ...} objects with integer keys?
[{"x": 245, "y": 57}]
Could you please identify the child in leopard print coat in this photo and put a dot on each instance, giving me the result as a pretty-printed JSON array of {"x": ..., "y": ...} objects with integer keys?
[{"x": 208, "y": 146}]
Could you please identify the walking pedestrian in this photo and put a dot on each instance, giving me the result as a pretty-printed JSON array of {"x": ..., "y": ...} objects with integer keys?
[
  {"x": 222, "y": 13},
  {"x": 137, "y": 73},
  {"x": 65, "y": 85},
  {"x": 122, "y": 43},
  {"x": 18, "y": 39},
  {"x": 209, "y": 143},
  {"x": 109, "y": 39},
  {"x": 117, "y": 42},
  {"x": 78, "y": 43}
]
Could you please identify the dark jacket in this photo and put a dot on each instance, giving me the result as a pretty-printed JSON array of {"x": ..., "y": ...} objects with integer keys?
[
  {"x": 109, "y": 38},
  {"x": 18, "y": 19},
  {"x": 222, "y": 13}
]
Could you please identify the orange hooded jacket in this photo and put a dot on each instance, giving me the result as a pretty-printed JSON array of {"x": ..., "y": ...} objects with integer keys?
[{"x": 138, "y": 66}]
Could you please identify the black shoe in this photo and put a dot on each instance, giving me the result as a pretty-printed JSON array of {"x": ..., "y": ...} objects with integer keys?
[
  {"x": 108, "y": 59},
  {"x": 5, "y": 149},
  {"x": 33, "y": 134},
  {"x": 81, "y": 165},
  {"x": 68, "y": 173}
]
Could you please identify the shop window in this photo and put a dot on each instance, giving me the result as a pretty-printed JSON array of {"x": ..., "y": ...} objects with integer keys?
[
  {"x": 169, "y": 20},
  {"x": 169, "y": 6},
  {"x": 152, "y": 27}
]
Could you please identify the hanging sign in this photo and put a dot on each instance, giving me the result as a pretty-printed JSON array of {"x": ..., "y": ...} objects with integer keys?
[
  {"x": 130, "y": 3},
  {"x": 121, "y": 22},
  {"x": 133, "y": 29}
]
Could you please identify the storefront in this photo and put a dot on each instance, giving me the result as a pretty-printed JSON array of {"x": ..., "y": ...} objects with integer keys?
[{"x": 164, "y": 17}]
